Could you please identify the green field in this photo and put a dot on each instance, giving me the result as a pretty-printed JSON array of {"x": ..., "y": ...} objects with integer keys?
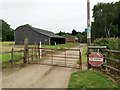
[
  {"x": 7, "y": 57},
  {"x": 90, "y": 79},
  {"x": 7, "y": 46}
]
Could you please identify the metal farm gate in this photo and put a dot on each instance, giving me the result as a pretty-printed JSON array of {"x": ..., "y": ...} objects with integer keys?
[{"x": 70, "y": 58}]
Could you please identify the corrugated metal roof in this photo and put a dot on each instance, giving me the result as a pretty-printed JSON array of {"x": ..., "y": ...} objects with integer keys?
[
  {"x": 47, "y": 33},
  {"x": 44, "y": 32}
]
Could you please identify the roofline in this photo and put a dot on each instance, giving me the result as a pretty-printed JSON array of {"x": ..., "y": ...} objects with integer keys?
[{"x": 36, "y": 31}]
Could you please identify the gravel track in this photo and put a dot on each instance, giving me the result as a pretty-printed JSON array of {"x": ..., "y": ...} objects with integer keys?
[{"x": 38, "y": 76}]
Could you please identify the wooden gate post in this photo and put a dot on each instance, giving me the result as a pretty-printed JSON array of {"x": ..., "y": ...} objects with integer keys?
[
  {"x": 25, "y": 50},
  {"x": 12, "y": 57}
]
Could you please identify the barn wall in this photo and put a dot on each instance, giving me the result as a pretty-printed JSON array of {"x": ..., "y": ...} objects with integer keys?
[{"x": 26, "y": 32}]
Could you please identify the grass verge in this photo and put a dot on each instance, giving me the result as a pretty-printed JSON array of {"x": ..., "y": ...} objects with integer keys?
[
  {"x": 7, "y": 57},
  {"x": 90, "y": 79},
  {"x": 84, "y": 55}
]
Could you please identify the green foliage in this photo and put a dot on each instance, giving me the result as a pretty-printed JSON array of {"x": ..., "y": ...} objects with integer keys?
[
  {"x": 27, "y": 24},
  {"x": 84, "y": 55},
  {"x": 7, "y": 57},
  {"x": 82, "y": 35},
  {"x": 90, "y": 79},
  {"x": 111, "y": 43},
  {"x": 106, "y": 20},
  {"x": 61, "y": 33},
  {"x": 7, "y": 32}
]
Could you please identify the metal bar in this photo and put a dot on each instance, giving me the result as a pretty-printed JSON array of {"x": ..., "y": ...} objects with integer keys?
[
  {"x": 55, "y": 49},
  {"x": 59, "y": 56}
]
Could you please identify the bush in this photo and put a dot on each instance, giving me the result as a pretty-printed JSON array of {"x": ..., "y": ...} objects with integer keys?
[{"x": 111, "y": 43}]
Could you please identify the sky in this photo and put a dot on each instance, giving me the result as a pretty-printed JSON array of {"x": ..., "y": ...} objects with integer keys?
[{"x": 51, "y": 15}]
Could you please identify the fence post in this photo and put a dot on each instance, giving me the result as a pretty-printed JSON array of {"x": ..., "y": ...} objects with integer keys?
[
  {"x": 80, "y": 61},
  {"x": 35, "y": 50},
  {"x": 40, "y": 51},
  {"x": 32, "y": 54},
  {"x": 12, "y": 57},
  {"x": 25, "y": 50},
  {"x": 65, "y": 58}
]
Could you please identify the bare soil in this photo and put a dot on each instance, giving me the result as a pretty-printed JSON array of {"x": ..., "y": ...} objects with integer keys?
[{"x": 38, "y": 76}]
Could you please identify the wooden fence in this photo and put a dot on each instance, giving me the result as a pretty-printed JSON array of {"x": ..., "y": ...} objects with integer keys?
[
  {"x": 21, "y": 60},
  {"x": 110, "y": 66}
]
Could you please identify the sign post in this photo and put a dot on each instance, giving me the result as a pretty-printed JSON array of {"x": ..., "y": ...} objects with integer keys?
[{"x": 88, "y": 32}]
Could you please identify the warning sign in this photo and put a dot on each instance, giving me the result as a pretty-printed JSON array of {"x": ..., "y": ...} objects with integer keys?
[{"x": 96, "y": 59}]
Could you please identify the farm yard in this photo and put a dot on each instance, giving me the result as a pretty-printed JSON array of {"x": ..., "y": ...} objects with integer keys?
[
  {"x": 49, "y": 71},
  {"x": 57, "y": 48}
]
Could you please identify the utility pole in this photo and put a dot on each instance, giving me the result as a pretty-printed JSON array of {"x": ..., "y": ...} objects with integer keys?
[{"x": 88, "y": 32}]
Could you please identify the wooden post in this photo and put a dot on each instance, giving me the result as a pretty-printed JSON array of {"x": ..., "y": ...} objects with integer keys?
[
  {"x": 12, "y": 57},
  {"x": 40, "y": 51},
  {"x": 32, "y": 54},
  {"x": 65, "y": 58},
  {"x": 88, "y": 33},
  {"x": 25, "y": 50},
  {"x": 35, "y": 50},
  {"x": 80, "y": 61}
]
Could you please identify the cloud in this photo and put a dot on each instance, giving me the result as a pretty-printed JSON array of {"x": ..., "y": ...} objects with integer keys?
[{"x": 54, "y": 15}]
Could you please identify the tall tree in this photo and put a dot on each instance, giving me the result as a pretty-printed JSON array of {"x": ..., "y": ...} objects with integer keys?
[
  {"x": 74, "y": 32},
  {"x": 7, "y": 32},
  {"x": 105, "y": 17}
]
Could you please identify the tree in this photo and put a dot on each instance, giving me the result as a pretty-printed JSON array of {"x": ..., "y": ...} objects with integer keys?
[
  {"x": 74, "y": 32},
  {"x": 7, "y": 32},
  {"x": 61, "y": 33},
  {"x": 106, "y": 16}
]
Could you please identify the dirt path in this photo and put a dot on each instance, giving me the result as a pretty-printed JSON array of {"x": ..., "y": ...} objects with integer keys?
[{"x": 38, "y": 76}]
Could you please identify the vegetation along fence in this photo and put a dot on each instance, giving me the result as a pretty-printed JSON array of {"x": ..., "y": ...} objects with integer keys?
[
  {"x": 111, "y": 66},
  {"x": 12, "y": 58}
]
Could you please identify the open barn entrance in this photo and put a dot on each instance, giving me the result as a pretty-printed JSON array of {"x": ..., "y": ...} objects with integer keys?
[
  {"x": 70, "y": 58},
  {"x": 57, "y": 41}
]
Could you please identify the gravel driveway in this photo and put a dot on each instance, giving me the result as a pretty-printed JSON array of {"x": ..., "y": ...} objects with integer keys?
[{"x": 38, "y": 76}]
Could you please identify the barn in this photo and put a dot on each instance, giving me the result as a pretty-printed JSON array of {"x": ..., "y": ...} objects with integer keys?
[
  {"x": 70, "y": 38},
  {"x": 36, "y": 35}
]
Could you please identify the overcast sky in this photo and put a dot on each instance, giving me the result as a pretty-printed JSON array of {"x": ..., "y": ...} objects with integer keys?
[{"x": 52, "y": 15}]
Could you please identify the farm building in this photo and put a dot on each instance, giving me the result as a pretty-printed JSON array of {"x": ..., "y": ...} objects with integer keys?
[
  {"x": 36, "y": 35},
  {"x": 70, "y": 38}
]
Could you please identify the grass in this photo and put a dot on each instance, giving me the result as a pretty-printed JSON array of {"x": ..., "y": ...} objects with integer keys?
[
  {"x": 7, "y": 46},
  {"x": 84, "y": 55},
  {"x": 62, "y": 46},
  {"x": 7, "y": 57},
  {"x": 90, "y": 79}
]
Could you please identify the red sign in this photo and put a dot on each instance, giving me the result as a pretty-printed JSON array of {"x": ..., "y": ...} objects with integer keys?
[{"x": 96, "y": 59}]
